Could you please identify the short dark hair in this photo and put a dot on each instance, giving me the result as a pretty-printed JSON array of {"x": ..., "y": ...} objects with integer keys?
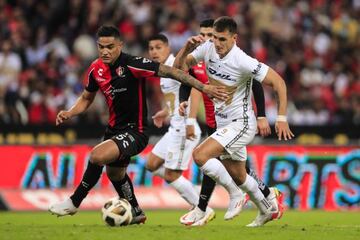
[
  {"x": 225, "y": 23},
  {"x": 108, "y": 31},
  {"x": 207, "y": 23},
  {"x": 160, "y": 37}
]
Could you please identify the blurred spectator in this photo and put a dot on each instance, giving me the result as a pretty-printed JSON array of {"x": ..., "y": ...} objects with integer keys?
[{"x": 314, "y": 45}]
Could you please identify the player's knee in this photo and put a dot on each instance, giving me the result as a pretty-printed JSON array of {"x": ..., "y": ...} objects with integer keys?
[
  {"x": 199, "y": 157},
  {"x": 96, "y": 157},
  {"x": 115, "y": 174},
  {"x": 150, "y": 166},
  {"x": 171, "y": 176}
]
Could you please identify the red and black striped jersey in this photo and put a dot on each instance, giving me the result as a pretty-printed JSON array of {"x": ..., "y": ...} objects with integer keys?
[
  {"x": 199, "y": 72},
  {"x": 123, "y": 85}
]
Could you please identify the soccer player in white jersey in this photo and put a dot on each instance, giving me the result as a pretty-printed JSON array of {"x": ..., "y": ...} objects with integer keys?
[
  {"x": 172, "y": 154},
  {"x": 227, "y": 65}
]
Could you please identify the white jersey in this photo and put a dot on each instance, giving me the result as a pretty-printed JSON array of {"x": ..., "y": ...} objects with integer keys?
[
  {"x": 235, "y": 71},
  {"x": 171, "y": 89}
]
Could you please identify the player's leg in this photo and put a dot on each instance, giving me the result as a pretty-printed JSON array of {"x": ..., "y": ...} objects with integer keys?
[
  {"x": 124, "y": 187},
  {"x": 202, "y": 214},
  {"x": 207, "y": 183},
  {"x": 177, "y": 159},
  {"x": 155, "y": 161},
  {"x": 272, "y": 194},
  {"x": 205, "y": 156},
  {"x": 105, "y": 150},
  {"x": 129, "y": 143}
]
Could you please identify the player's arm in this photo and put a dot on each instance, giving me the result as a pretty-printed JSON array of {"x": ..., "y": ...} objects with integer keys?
[
  {"x": 81, "y": 104},
  {"x": 184, "y": 60},
  {"x": 218, "y": 92},
  {"x": 262, "y": 123},
  {"x": 160, "y": 116},
  {"x": 273, "y": 79}
]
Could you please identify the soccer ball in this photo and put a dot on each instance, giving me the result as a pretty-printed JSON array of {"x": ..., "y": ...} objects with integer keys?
[{"x": 117, "y": 212}]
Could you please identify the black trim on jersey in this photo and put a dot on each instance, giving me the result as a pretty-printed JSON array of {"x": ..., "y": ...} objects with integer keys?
[
  {"x": 185, "y": 90},
  {"x": 259, "y": 98},
  {"x": 92, "y": 85}
]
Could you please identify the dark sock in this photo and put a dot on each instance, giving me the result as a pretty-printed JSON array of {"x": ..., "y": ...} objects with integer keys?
[
  {"x": 125, "y": 190},
  {"x": 263, "y": 188},
  {"x": 90, "y": 178},
  {"x": 207, "y": 188}
]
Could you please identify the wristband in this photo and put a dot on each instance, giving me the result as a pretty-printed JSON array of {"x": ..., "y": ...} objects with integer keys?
[
  {"x": 258, "y": 118},
  {"x": 190, "y": 121},
  {"x": 281, "y": 118}
]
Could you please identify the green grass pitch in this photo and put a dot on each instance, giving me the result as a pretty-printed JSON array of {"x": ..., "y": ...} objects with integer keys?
[{"x": 317, "y": 225}]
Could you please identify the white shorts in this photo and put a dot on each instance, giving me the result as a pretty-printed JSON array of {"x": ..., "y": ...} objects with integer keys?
[
  {"x": 176, "y": 150},
  {"x": 234, "y": 137}
]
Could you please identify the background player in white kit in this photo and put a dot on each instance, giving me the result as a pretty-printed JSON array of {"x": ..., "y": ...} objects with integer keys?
[
  {"x": 227, "y": 65},
  {"x": 172, "y": 154}
]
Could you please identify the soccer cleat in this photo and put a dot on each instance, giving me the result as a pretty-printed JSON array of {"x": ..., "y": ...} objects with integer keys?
[
  {"x": 63, "y": 208},
  {"x": 197, "y": 217},
  {"x": 235, "y": 206},
  {"x": 275, "y": 198},
  {"x": 275, "y": 213},
  {"x": 261, "y": 219},
  {"x": 138, "y": 218}
]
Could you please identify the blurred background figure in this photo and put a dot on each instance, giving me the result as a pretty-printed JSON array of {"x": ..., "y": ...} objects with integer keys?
[{"x": 45, "y": 46}]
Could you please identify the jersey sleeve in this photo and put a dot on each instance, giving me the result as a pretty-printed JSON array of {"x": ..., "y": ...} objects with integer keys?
[
  {"x": 199, "y": 52},
  {"x": 142, "y": 67},
  {"x": 90, "y": 82},
  {"x": 256, "y": 69}
]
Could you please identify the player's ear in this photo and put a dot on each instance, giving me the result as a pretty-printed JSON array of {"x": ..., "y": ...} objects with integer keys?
[{"x": 235, "y": 37}]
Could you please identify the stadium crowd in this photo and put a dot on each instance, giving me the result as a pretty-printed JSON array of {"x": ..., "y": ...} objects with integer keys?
[{"x": 313, "y": 44}]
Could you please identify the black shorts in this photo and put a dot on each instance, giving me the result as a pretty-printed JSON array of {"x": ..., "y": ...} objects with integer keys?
[
  {"x": 210, "y": 130},
  {"x": 130, "y": 143}
]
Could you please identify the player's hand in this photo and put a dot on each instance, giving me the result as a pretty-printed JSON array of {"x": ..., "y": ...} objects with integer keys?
[
  {"x": 218, "y": 92},
  {"x": 193, "y": 42},
  {"x": 283, "y": 131},
  {"x": 190, "y": 132},
  {"x": 62, "y": 116},
  {"x": 159, "y": 118},
  {"x": 263, "y": 127},
  {"x": 182, "y": 108}
]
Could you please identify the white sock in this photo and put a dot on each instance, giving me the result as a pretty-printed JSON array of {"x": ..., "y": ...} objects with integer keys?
[
  {"x": 251, "y": 187},
  {"x": 186, "y": 190},
  {"x": 214, "y": 169},
  {"x": 159, "y": 172}
]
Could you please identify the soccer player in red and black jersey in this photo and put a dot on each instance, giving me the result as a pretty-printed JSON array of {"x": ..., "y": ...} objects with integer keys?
[
  {"x": 121, "y": 78},
  {"x": 208, "y": 184}
]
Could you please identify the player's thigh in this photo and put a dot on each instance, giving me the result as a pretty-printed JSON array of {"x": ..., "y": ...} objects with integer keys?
[
  {"x": 154, "y": 162},
  {"x": 209, "y": 148},
  {"x": 179, "y": 152},
  {"x": 160, "y": 148},
  {"x": 105, "y": 152},
  {"x": 129, "y": 143},
  {"x": 234, "y": 138}
]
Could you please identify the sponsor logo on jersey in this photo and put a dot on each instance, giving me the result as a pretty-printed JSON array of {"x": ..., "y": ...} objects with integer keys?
[
  {"x": 223, "y": 76},
  {"x": 257, "y": 69},
  {"x": 119, "y": 71},
  {"x": 111, "y": 91},
  {"x": 222, "y": 115}
]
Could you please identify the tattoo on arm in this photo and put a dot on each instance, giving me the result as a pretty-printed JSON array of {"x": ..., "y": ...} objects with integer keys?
[{"x": 177, "y": 74}]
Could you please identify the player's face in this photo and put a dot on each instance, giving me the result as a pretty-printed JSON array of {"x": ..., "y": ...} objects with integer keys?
[
  {"x": 158, "y": 51},
  {"x": 109, "y": 49},
  {"x": 206, "y": 32},
  {"x": 223, "y": 42}
]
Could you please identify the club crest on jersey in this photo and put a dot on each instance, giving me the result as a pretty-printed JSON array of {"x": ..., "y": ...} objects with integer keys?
[{"x": 119, "y": 71}]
